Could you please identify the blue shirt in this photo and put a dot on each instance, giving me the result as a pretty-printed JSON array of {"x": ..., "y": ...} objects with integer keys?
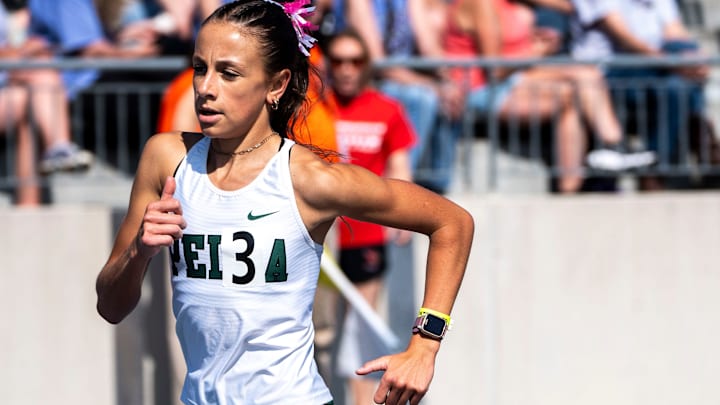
[
  {"x": 68, "y": 26},
  {"x": 393, "y": 21},
  {"x": 646, "y": 20}
]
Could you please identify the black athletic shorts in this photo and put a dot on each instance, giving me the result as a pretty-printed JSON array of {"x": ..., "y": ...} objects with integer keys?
[{"x": 364, "y": 264}]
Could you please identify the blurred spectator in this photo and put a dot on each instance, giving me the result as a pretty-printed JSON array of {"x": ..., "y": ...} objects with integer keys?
[
  {"x": 572, "y": 95},
  {"x": 404, "y": 28},
  {"x": 554, "y": 15},
  {"x": 602, "y": 28},
  {"x": 372, "y": 132},
  {"x": 317, "y": 129},
  {"x": 177, "y": 107},
  {"x": 172, "y": 24},
  {"x": 182, "y": 17},
  {"x": 73, "y": 28},
  {"x": 34, "y": 99}
]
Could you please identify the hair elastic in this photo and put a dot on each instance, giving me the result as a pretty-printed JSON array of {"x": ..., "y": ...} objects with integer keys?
[{"x": 297, "y": 11}]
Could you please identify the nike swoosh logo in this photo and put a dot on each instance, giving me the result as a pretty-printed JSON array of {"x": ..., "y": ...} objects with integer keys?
[{"x": 252, "y": 217}]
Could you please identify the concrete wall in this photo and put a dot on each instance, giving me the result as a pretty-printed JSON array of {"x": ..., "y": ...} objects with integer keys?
[
  {"x": 580, "y": 300},
  {"x": 54, "y": 348},
  {"x": 586, "y": 301}
]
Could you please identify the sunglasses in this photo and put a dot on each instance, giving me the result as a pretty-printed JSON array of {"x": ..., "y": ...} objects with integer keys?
[{"x": 356, "y": 62}]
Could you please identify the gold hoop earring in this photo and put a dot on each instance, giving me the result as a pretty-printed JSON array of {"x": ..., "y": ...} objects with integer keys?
[{"x": 275, "y": 104}]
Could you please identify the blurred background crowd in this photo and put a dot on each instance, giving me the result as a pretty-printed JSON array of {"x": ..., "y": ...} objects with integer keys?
[{"x": 586, "y": 122}]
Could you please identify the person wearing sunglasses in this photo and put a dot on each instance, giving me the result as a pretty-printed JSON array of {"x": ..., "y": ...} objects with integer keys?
[{"x": 372, "y": 131}]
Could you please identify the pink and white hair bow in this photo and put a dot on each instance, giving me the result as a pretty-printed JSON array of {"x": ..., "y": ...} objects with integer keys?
[{"x": 297, "y": 11}]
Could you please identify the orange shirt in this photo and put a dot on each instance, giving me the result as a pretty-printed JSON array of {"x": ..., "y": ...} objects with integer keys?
[
  {"x": 174, "y": 93},
  {"x": 318, "y": 127}
]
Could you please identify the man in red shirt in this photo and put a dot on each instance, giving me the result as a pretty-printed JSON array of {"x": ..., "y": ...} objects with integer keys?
[{"x": 372, "y": 131}]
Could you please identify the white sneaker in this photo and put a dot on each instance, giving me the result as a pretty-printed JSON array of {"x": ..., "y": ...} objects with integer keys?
[
  {"x": 65, "y": 158},
  {"x": 614, "y": 161}
]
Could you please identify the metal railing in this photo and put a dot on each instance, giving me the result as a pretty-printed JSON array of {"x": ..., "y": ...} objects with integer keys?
[
  {"x": 113, "y": 119},
  {"x": 532, "y": 141}
]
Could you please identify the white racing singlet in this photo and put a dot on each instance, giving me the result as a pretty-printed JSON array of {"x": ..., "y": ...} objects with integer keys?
[{"x": 244, "y": 279}]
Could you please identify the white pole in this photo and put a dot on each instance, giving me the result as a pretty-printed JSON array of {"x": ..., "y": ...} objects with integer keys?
[{"x": 376, "y": 324}]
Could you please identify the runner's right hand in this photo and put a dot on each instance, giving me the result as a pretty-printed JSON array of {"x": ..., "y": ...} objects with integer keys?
[{"x": 162, "y": 223}]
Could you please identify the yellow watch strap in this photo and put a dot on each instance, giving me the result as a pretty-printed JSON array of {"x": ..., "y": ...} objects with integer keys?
[{"x": 439, "y": 314}]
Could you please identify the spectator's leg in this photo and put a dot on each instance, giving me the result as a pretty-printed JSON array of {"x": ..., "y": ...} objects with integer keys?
[
  {"x": 629, "y": 87},
  {"x": 633, "y": 89},
  {"x": 49, "y": 105},
  {"x": 442, "y": 159},
  {"x": 28, "y": 191},
  {"x": 703, "y": 142},
  {"x": 421, "y": 106},
  {"x": 14, "y": 121},
  {"x": 49, "y": 111},
  {"x": 678, "y": 100},
  {"x": 538, "y": 95},
  {"x": 595, "y": 102},
  {"x": 593, "y": 97}
]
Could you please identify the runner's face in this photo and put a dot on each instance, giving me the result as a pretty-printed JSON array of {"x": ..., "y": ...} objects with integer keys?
[
  {"x": 348, "y": 66},
  {"x": 231, "y": 87}
]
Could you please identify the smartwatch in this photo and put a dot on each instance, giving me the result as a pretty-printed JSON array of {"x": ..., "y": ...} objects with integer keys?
[{"x": 430, "y": 325}]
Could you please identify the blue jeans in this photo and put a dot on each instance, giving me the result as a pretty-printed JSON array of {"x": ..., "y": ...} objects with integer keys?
[
  {"x": 436, "y": 168},
  {"x": 660, "y": 96},
  {"x": 491, "y": 97},
  {"x": 433, "y": 156},
  {"x": 421, "y": 105}
]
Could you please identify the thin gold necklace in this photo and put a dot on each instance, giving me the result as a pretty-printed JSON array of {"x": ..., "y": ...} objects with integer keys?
[{"x": 245, "y": 151}]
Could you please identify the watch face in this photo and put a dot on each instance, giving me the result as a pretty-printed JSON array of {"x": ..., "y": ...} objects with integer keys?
[{"x": 434, "y": 325}]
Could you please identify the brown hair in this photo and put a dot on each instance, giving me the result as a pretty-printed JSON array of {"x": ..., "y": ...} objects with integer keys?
[{"x": 278, "y": 44}]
